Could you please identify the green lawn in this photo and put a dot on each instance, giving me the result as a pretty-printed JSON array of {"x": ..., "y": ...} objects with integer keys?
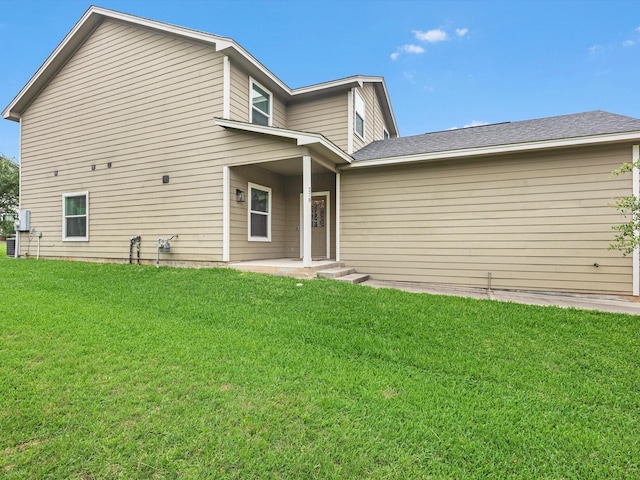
[{"x": 125, "y": 371}]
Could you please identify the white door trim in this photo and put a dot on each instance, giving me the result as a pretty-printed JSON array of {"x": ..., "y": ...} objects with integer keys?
[{"x": 327, "y": 220}]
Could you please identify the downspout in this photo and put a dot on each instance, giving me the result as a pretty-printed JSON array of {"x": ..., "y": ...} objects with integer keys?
[
  {"x": 16, "y": 253},
  {"x": 636, "y": 193},
  {"x": 350, "y": 121},
  {"x": 337, "y": 217}
]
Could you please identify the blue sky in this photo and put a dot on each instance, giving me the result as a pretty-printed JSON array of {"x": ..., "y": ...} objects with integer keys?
[{"x": 447, "y": 64}]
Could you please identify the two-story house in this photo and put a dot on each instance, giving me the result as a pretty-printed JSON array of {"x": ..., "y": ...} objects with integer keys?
[{"x": 134, "y": 127}]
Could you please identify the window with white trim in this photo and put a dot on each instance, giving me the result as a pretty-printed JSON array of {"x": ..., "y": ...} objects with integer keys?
[
  {"x": 385, "y": 134},
  {"x": 75, "y": 216},
  {"x": 261, "y": 104},
  {"x": 259, "y": 205},
  {"x": 359, "y": 117}
]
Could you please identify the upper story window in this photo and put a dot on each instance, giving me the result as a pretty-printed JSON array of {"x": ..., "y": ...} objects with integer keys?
[
  {"x": 359, "y": 124},
  {"x": 385, "y": 133},
  {"x": 75, "y": 208},
  {"x": 260, "y": 104}
]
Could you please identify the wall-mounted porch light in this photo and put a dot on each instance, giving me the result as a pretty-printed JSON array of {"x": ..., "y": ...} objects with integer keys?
[{"x": 239, "y": 195}]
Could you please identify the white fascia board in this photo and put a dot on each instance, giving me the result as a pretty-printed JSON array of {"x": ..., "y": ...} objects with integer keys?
[
  {"x": 221, "y": 44},
  {"x": 500, "y": 149},
  {"x": 389, "y": 107},
  {"x": 348, "y": 82},
  {"x": 92, "y": 17},
  {"x": 301, "y": 138},
  {"x": 84, "y": 21}
]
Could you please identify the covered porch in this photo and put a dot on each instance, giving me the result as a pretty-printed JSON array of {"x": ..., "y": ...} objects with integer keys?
[{"x": 281, "y": 212}]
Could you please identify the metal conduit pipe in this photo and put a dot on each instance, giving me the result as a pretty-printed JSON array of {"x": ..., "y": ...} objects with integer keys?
[
  {"x": 135, "y": 240},
  {"x": 164, "y": 247}
]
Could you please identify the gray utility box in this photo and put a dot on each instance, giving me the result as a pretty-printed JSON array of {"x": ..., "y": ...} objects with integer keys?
[{"x": 24, "y": 221}]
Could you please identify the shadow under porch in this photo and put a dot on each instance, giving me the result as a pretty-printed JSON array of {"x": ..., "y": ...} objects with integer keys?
[{"x": 277, "y": 188}]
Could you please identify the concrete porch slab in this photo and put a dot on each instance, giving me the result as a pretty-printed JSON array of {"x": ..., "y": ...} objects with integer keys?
[{"x": 286, "y": 267}]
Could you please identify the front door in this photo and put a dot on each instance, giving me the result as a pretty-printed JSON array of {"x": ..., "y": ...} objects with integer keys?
[{"x": 320, "y": 225}]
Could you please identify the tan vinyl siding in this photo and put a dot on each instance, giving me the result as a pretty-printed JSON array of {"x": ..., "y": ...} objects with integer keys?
[
  {"x": 239, "y": 101},
  {"x": 374, "y": 121},
  {"x": 535, "y": 221},
  {"x": 239, "y": 105},
  {"x": 145, "y": 103},
  {"x": 326, "y": 115},
  {"x": 279, "y": 112}
]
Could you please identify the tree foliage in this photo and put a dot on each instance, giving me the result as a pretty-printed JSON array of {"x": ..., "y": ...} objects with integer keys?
[
  {"x": 9, "y": 192},
  {"x": 627, "y": 238}
]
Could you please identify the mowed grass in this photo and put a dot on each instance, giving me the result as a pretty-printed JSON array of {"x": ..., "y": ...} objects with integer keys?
[{"x": 125, "y": 371}]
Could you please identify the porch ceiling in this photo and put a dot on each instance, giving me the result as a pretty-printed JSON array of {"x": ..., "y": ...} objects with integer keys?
[{"x": 291, "y": 167}]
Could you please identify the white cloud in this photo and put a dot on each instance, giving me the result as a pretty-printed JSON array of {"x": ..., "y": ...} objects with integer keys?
[
  {"x": 595, "y": 49},
  {"x": 475, "y": 123},
  {"x": 628, "y": 43},
  {"x": 410, "y": 48},
  {"x": 432, "y": 36}
]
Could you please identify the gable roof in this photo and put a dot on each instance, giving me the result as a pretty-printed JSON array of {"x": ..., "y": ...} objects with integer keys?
[
  {"x": 588, "y": 127},
  {"x": 94, "y": 16}
]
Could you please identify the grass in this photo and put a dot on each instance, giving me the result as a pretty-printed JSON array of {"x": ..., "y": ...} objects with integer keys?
[{"x": 123, "y": 371}]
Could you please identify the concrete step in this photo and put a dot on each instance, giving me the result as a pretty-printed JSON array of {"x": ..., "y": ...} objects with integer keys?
[
  {"x": 354, "y": 278},
  {"x": 336, "y": 272}
]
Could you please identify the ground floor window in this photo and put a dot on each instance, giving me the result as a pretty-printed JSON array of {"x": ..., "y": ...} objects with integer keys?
[
  {"x": 75, "y": 213},
  {"x": 259, "y": 213}
]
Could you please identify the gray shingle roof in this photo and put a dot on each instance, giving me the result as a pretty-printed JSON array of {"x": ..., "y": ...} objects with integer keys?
[{"x": 550, "y": 128}]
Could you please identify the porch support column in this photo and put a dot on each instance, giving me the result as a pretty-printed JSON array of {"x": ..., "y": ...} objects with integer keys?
[
  {"x": 306, "y": 210},
  {"x": 226, "y": 214},
  {"x": 636, "y": 192}
]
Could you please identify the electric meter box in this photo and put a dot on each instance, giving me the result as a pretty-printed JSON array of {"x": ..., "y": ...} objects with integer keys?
[{"x": 24, "y": 221}]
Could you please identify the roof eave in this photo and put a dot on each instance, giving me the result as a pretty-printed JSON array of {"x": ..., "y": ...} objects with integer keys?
[
  {"x": 90, "y": 21},
  {"x": 348, "y": 83},
  {"x": 95, "y": 15},
  {"x": 80, "y": 31},
  {"x": 500, "y": 149}
]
